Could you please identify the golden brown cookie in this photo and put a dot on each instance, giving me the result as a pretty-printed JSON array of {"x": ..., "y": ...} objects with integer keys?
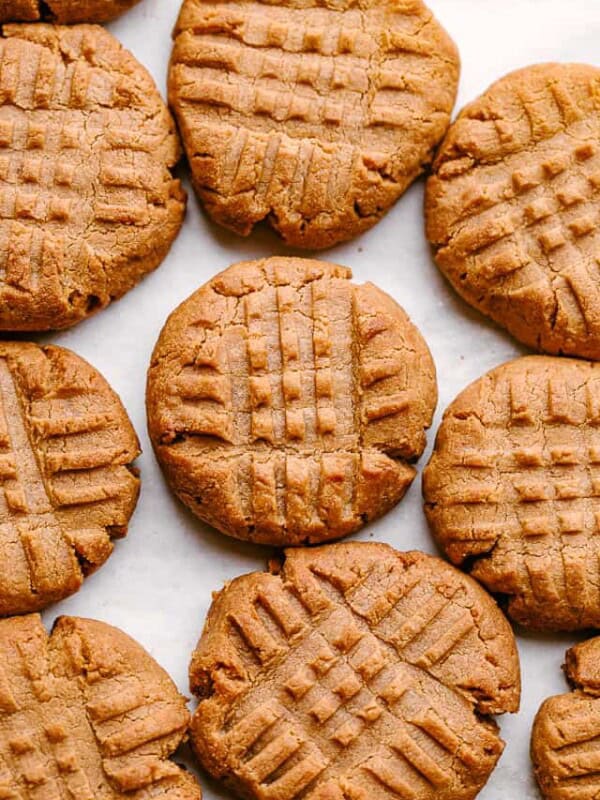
[
  {"x": 315, "y": 116},
  {"x": 88, "y": 204},
  {"x": 356, "y": 671},
  {"x": 67, "y": 488},
  {"x": 86, "y": 713},
  {"x": 564, "y": 741},
  {"x": 63, "y": 11},
  {"x": 513, "y": 206},
  {"x": 512, "y": 490},
  {"x": 286, "y": 404}
]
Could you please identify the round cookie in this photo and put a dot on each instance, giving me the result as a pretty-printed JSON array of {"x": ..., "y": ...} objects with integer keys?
[
  {"x": 67, "y": 487},
  {"x": 88, "y": 202},
  {"x": 286, "y": 404},
  {"x": 86, "y": 712},
  {"x": 513, "y": 206},
  {"x": 564, "y": 737},
  {"x": 330, "y": 110},
  {"x": 512, "y": 490},
  {"x": 354, "y": 671},
  {"x": 63, "y": 11}
]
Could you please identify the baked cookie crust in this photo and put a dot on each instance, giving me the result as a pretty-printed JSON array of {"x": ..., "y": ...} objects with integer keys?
[
  {"x": 512, "y": 490},
  {"x": 88, "y": 201},
  {"x": 86, "y": 712},
  {"x": 563, "y": 741},
  {"x": 354, "y": 670},
  {"x": 329, "y": 112},
  {"x": 513, "y": 206},
  {"x": 65, "y": 12},
  {"x": 67, "y": 485},
  {"x": 286, "y": 404}
]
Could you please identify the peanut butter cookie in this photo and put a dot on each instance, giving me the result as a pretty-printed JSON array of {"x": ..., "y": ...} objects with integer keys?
[
  {"x": 564, "y": 742},
  {"x": 286, "y": 404},
  {"x": 513, "y": 206},
  {"x": 86, "y": 713},
  {"x": 356, "y": 671},
  {"x": 512, "y": 491},
  {"x": 66, "y": 484},
  {"x": 328, "y": 112},
  {"x": 63, "y": 11},
  {"x": 88, "y": 204}
]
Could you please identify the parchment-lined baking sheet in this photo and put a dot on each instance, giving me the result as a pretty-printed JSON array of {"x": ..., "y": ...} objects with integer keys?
[{"x": 157, "y": 585}]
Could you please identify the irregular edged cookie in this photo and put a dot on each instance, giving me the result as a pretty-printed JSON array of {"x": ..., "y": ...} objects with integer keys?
[
  {"x": 86, "y": 713},
  {"x": 88, "y": 202},
  {"x": 285, "y": 403},
  {"x": 513, "y": 206},
  {"x": 63, "y": 11},
  {"x": 512, "y": 491},
  {"x": 67, "y": 487},
  {"x": 564, "y": 741},
  {"x": 357, "y": 671},
  {"x": 315, "y": 116}
]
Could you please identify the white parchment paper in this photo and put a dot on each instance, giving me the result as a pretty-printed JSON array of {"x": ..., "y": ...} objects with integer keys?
[{"x": 157, "y": 585}]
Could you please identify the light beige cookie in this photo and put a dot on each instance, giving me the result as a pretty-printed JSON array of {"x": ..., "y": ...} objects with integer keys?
[
  {"x": 314, "y": 116},
  {"x": 513, "y": 206},
  {"x": 512, "y": 490},
  {"x": 286, "y": 404},
  {"x": 63, "y": 11},
  {"x": 86, "y": 713},
  {"x": 356, "y": 671},
  {"x": 88, "y": 203},
  {"x": 67, "y": 485},
  {"x": 564, "y": 737}
]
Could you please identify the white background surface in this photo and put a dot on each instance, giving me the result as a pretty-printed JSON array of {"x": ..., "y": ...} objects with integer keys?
[{"x": 157, "y": 585}]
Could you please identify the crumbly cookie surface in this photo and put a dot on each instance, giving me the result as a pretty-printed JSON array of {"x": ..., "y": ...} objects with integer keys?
[
  {"x": 355, "y": 671},
  {"x": 564, "y": 737},
  {"x": 66, "y": 484},
  {"x": 329, "y": 111},
  {"x": 286, "y": 404},
  {"x": 513, "y": 206},
  {"x": 63, "y": 11},
  {"x": 512, "y": 491},
  {"x": 88, "y": 204},
  {"x": 86, "y": 712}
]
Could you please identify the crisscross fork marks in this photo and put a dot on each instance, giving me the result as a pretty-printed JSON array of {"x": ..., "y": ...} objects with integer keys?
[
  {"x": 566, "y": 747},
  {"x": 566, "y": 732},
  {"x": 303, "y": 383},
  {"x": 328, "y": 58},
  {"x": 65, "y": 449},
  {"x": 319, "y": 126},
  {"x": 325, "y": 697},
  {"x": 542, "y": 229},
  {"x": 513, "y": 206},
  {"x": 86, "y": 146},
  {"x": 27, "y": 516},
  {"x": 515, "y": 483},
  {"x": 78, "y": 718}
]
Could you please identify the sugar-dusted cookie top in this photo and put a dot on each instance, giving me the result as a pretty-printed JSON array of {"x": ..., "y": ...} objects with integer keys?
[{"x": 286, "y": 404}]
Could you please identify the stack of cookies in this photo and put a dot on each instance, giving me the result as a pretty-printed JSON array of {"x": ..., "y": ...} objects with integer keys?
[{"x": 288, "y": 405}]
